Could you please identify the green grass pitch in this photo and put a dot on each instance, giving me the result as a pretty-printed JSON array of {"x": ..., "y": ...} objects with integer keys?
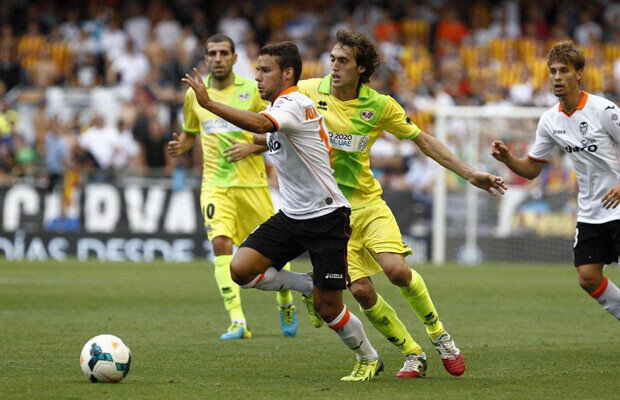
[{"x": 526, "y": 332}]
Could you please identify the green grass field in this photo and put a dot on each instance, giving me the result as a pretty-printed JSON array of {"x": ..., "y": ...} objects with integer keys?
[{"x": 526, "y": 331}]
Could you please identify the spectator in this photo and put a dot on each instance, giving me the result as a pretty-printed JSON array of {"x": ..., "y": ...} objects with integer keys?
[
  {"x": 56, "y": 154},
  {"x": 129, "y": 68},
  {"x": 100, "y": 141},
  {"x": 589, "y": 31}
]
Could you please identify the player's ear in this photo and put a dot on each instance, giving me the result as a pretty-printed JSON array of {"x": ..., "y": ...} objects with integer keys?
[
  {"x": 361, "y": 69},
  {"x": 579, "y": 74},
  {"x": 234, "y": 58}
]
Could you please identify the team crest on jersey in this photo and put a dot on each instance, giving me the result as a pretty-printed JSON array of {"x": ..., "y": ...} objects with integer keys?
[
  {"x": 367, "y": 115},
  {"x": 583, "y": 128},
  {"x": 244, "y": 96}
]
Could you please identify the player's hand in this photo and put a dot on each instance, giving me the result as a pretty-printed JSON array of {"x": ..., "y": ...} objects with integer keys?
[
  {"x": 238, "y": 151},
  {"x": 174, "y": 146},
  {"x": 500, "y": 151},
  {"x": 494, "y": 185},
  {"x": 611, "y": 199},
  {"x": 196, "y": 83}
]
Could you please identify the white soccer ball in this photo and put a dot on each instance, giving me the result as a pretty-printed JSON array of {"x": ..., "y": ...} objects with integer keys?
[{"x": 105, "y": 358}]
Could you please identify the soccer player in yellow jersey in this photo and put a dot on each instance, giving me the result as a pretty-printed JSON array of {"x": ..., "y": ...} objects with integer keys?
[
  {"x": 355, "y": 116},
  {"x": 235, "y": 197}
]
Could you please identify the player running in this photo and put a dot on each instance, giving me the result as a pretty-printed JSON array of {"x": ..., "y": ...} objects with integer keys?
[
  {"x": 355, "y": 116},
  {"x": 314, "y": 215},
  {"x": 235, "y": 197},
  {"x": 587, "y": 127}
]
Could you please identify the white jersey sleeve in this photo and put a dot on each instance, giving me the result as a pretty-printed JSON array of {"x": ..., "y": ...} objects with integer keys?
[
  {"x": 285, "y": 114},
  {"x": 544, "y": 144},
  {"x": 610, "y": 121}
]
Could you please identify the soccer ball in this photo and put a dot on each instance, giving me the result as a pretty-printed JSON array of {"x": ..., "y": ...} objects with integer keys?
[{"x": 105, "y": 358}]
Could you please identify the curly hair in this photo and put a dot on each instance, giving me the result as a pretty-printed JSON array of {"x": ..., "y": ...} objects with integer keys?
[
  {"x": 567, "y": 53},
  {"x": 366, "y": 53}
]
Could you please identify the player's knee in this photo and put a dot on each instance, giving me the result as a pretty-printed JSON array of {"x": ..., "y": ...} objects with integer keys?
[
  {"x": 222, "y": 245},
  {"x": 364, "y": 292},
  {"x": 397, "y": 271},
  {"x": 589, "y": 282},
  {"x": 238, "y": 273}
]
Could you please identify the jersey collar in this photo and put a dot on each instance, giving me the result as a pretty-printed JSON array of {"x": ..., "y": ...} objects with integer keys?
[
  {"x": 325, "y": 87},
  {"x": 288, "y": 90},
  {"x": 237, "y": 80},
  {"x": 580, "y": 105}
]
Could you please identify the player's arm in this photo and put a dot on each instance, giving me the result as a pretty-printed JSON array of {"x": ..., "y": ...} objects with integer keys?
[
  {"x": 247, "y": 120},
  {"x": 526, "y": 167},
  {"x": 435, "y": 149},
  {"x": 395, "y": 120},
  {"x": 180, "y": 144},
  {"x": 239, "y": 151},
  {"x": 611, "y": 124}
]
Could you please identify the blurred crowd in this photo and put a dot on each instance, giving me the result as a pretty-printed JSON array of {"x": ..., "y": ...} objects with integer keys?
[{"x": 434, "y": 53}]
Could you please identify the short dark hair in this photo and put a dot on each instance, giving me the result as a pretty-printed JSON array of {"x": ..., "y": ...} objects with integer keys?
[
  {"x": 218, "y": 38},
  {"x": 366, "y": 53},
  {"x": 567, "y": 53},
  {"x": 287, "y": 54}
]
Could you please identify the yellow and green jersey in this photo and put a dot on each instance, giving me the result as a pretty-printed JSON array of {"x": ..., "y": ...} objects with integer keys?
[
  {"x": 354, "y": 126},
  {"x": 216, "y": 134}
]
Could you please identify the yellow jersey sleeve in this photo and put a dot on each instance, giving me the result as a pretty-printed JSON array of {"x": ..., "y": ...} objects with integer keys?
[
  {"x": 191, "y": 124},
  {"x": 258, "y": 104},
  {"x": 395, "y": 121}
]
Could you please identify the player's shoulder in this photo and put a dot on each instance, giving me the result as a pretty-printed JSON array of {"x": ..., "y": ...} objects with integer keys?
[
  {"x": 599, "y": 103},
  {"x": 309, "y": 85},
  {"x": 293, "y": 100}
]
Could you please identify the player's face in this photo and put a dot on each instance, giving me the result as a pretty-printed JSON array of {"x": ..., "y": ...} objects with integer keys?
[
  {"x": 270, "y": 78},
  {"x": 220, "y": 59},
  {"x": 345, "y": 71},
  {"x": 564, "y": 78}
]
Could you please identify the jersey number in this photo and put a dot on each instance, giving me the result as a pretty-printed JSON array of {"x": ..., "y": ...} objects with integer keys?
[{"x": 210, "y": 210}]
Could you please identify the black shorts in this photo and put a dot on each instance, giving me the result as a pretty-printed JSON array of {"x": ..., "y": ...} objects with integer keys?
[
  {"x": 597, "y": 243},
  {"x": 282, "y": 239}
]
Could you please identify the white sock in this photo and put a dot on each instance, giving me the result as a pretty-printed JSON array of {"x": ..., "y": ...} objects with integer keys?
[
  {"x": 351, "y": 331},
  {"x": 272, "y": 279},
  {"x": 608, "y": 295}
]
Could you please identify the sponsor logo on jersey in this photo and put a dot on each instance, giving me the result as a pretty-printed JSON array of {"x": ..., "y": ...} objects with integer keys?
[
  {"x": 322, "y": 105},
  {"x": 583, "y": 128},
  {"x": 333, "y": 276},
  {"x": 244, "y": 96},
  {"x": 218, "y": 125},
  {"x": 610, "y": 107},
  {"x": 367, "y": 115},
  {"x": 614, "y": 117},
  {"x": 585, "y": 147},
  {"x": 348, "y": 141},
  {"x": 559, "y": 131},
  {"x": 272, "y": 143}
]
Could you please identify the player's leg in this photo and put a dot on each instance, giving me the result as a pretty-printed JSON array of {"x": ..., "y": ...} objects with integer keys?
[
  {"x": 382, "y": 237},
  {"x": 380, "y": 314},
  {"x": 326, "y": 239},
  {"x": 255, "y": 207},
  {"x": 598, "y": 244},
  {"x": 385, "y": 320},
  {"x": 260, "y": 260},
  {"x": 219, "y": 215}
]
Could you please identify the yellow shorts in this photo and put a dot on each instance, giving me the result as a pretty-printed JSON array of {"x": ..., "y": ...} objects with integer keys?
[
  {"x": 374, "y": 231},
  {"x": 234, "y": 212}
]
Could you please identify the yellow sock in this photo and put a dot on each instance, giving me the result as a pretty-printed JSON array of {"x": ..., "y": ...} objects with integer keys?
[
  {"x": 418, "y": 298},
  {"x": 229, "y": 290},
  {"x": 383, "y": 317},
  {"x": 285, "y": 297}
]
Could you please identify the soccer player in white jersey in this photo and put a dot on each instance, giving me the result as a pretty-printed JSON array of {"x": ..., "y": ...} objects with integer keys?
[
  {"x": 587, "y": 128},
  {"x": 314, "y": 216}
]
